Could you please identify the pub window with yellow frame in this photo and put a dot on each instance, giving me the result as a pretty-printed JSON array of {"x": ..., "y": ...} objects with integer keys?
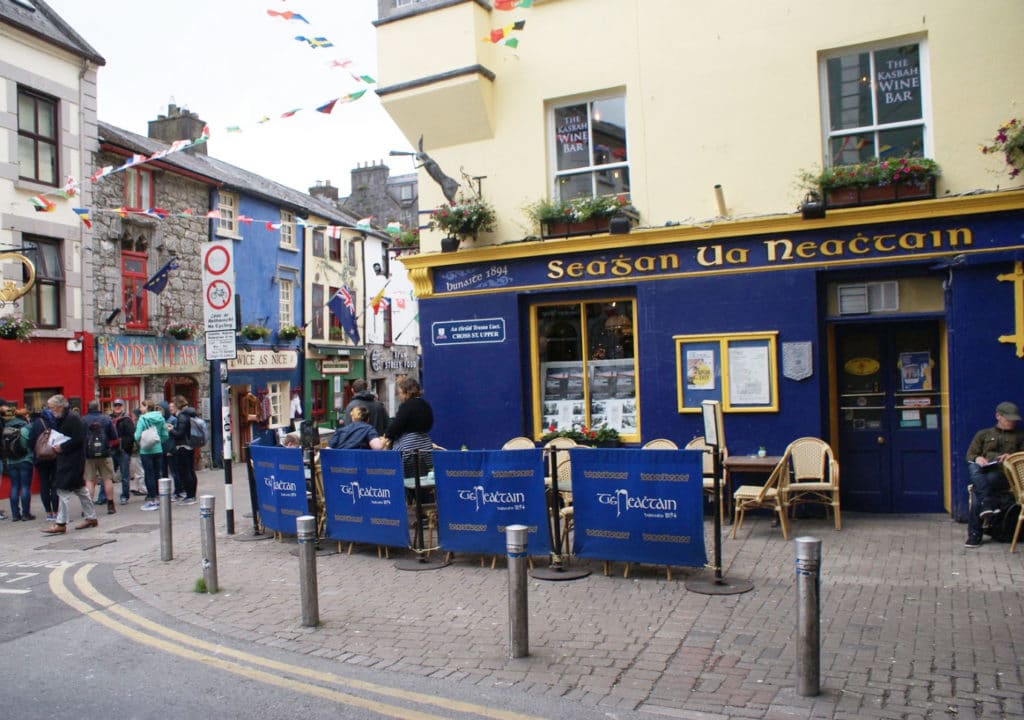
[{"x": 584, "y": 366}]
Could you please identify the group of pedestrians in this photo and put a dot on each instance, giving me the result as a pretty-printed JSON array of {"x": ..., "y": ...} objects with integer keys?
[{"x": 82, "y": 455}]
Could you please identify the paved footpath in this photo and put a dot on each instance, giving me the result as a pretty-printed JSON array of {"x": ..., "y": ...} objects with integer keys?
[{"x": 914, "y": 625}]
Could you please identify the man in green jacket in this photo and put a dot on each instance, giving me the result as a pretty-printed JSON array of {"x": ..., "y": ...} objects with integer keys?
[{"x": 984, "y": 466}]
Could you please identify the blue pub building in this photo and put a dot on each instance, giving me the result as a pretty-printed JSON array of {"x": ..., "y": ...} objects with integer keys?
[{"x": 890, "y": 331}]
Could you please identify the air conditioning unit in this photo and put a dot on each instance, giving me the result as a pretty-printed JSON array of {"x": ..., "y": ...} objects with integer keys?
[{"x": 867, "y": 298}]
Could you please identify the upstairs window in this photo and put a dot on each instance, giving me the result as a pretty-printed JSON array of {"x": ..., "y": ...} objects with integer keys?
[
  {"x": 227, "y": 205},
  {"x": 588, "y": 141},
  {"x": 285, "y": 302},
  {"x": 43, "y": 301},
  {"x": 318, "y": 244},
  {"x": 876, "y": 104},
  {"x": 287, "y": 229},
  {"x": 133, "y": 297},
  {"x": 38, "y": 148},
  {"x": 138, "y": 189},
  {"x": 334, "y": 246}
]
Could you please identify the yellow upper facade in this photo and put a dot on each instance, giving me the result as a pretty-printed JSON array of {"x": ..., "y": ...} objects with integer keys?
[{"x": 726, "y": 93}]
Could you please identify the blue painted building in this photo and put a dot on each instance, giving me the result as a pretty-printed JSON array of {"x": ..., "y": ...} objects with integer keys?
[{"x": 891, "y": 331}]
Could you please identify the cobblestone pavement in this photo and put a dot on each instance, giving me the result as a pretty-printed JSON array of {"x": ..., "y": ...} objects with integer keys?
[{"x": 913, "y": 625}]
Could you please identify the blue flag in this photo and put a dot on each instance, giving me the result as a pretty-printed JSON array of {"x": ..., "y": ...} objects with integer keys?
[
  {"x": 158, "y": 282},
  {"x": 344, "y": 308}
]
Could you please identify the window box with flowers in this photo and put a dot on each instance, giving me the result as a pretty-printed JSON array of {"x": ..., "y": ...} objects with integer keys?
[
  {"x": 13, "y": 327},
  {"x": 181, "y": 331},
  {"x": 407, "y": 242},
  {"x": 465, "y": 217},
  {"x": 603, "y": 436},
  {"x": 1009, "y": 141},
  {"x": 251, "y": 331},
  {"x": 287, "y": 333},
  {"x": 335, "y": 333},
  {"x": 875, "y": 182},
  {"x": 579, "y": 216}
]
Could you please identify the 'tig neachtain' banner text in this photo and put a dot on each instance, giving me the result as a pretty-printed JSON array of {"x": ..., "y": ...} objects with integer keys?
[
  {"x": 280, "y": 486},
  {"x": 480, "y": 492},
  {"x": 639, "y": 506},
  {"x": 365, "y": 497}
]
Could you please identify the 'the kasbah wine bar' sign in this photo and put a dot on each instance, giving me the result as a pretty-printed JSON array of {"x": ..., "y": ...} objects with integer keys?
[{"x": 129, "y": 355}]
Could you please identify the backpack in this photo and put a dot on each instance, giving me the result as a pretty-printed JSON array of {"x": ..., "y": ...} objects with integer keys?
[
  {"x": 1004, "y": 524},
  {"x": 12, "y": 445},
  {"x": 126, "y": 431},
  {"x": 197, "y": 432},
  {"x": 97, "y": 445}
]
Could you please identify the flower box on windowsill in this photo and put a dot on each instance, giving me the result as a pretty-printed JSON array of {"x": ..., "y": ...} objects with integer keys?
[
  {"x": 853, "y": 196},
  {"x": 590, "y": 226}
]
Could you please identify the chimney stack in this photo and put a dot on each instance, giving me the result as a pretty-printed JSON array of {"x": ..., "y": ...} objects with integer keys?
[
  {"x": 178, "y": 124},
  {"x": 325, "y": 191}
]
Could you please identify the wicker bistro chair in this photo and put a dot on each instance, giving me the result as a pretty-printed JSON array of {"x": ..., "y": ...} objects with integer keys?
[
  {"x": 519, "y": 443},
  {"x": 770, "y": 496},
  {"x": 1013, "y": 466},
  {"x": 659, "y": 444},
  {"x": 815, "y": 476},
  {"x": 709, "y": 473}
]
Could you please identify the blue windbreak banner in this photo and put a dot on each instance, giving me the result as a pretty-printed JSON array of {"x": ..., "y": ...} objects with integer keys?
[
  {"x": 364, "y": 496},
  {"x": 480, "y": 492},
  {"x": 639, "y": 506},
  {"x": 280, "y": 486}
]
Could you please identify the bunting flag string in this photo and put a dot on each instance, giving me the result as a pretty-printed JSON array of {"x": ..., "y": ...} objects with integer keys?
[
  {"x": 503, "y": 35},
  {"x": 507, "y": 5},
  {"x": 287, "y": 15}
]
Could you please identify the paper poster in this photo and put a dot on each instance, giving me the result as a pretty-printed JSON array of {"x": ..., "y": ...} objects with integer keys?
[{"x": 700, "y": 370}]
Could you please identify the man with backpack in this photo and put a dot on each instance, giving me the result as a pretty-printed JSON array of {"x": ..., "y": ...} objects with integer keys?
[
  {"x": 100, "y": 439},
  {"x": 188, "y": 435},
  {"x": 125, "y": 427},
  {"x": 17, "y": 461}
]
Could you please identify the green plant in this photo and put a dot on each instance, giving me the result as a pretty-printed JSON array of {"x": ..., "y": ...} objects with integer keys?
[
  {"x": 1010, "y": 142},
  {"x": 15, "y": 328},
  {"x": 581, "y": 434},
  {"x": 407, "y": 239},
  {"x": 251, "y": 331},
  {"x": 579, "y": 209},
  {"x": 335, "y": 333},
  {"x": 288, "y": 332},
  {"x": 200, "y": 586},
  {"x": 465, "y": 217},
  {"x": 181, "y": 330},
  {"x": 872, "y": 172},
  {"x": 605, "y": 434}
]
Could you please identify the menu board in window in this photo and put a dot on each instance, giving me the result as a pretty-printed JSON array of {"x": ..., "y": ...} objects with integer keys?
[{"x": 739, "y": 370}]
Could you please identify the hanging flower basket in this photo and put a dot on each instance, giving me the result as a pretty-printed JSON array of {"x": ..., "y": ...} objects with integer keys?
[
  {"x": 15, "y": 328},
  {"x": 1009, "y": 141},
  {"x": 287, "y": 333},
  {"x": 181, "y": 331},
  {"x": 464, "y": 217},
  {"x": 254, "y": 332}
]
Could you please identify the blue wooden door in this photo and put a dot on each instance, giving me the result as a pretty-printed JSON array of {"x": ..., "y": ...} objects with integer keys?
[{"x": 890, "y": 417}]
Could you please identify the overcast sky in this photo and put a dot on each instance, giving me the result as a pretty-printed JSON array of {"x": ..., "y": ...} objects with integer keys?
[{"x": 232, "y": 63}]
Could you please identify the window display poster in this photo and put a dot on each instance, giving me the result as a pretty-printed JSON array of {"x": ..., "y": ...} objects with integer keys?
[
  {"x": 562, "y": 380},
  {"x": 749, "y": 379},
  {"x": 915, "y": 371},
  {"x": 700, "y": 370}
]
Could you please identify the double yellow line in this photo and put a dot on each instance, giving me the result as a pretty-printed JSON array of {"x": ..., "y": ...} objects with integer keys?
[{"x": 147, "y": 632}]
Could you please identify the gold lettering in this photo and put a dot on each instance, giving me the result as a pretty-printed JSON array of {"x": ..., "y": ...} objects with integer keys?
[
  {"x": 645, "y": 263},
  {"x": 880, "y": 245},
  {"x": 555, "y": 269},
  {"x": 955, "y": 234},
  {"x": 807, "y": 249},
  {"x": 859, "y": 245},
  {"x": 908, "y": 241},
  {"x": 736, "y": 256},
  {"x": 597, "y": 268},
  {"x": 787, "y": 249},
  {"x": 716, "y": 258},
  {"x": 671, "y": 261},
  {"x": 621, "y": 267},
  {"x": 832, "y": 248}
]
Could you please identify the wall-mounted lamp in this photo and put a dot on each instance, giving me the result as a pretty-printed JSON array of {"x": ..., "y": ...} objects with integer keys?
[
  {"x": 813, "y": 207},
  {"x": 619, "y": 225},
  {"x": 723, "y": 211}
]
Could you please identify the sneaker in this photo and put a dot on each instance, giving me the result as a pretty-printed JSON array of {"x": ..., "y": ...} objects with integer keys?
[
  {"x": 138, "y": 492},
  {"x": 51, "y": 517},
  {"x": 973, "y": 543},
  {"x": 150, "y": 505},
  {"x": 3, "y": 515},
  {"x": 187, "y": 501},
  {"x": 124, "y": 501},
  {"x": 28, "y": 516}
]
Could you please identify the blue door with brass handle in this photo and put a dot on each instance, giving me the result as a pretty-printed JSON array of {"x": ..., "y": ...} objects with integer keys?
[{"x": 891, "y": 409}]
